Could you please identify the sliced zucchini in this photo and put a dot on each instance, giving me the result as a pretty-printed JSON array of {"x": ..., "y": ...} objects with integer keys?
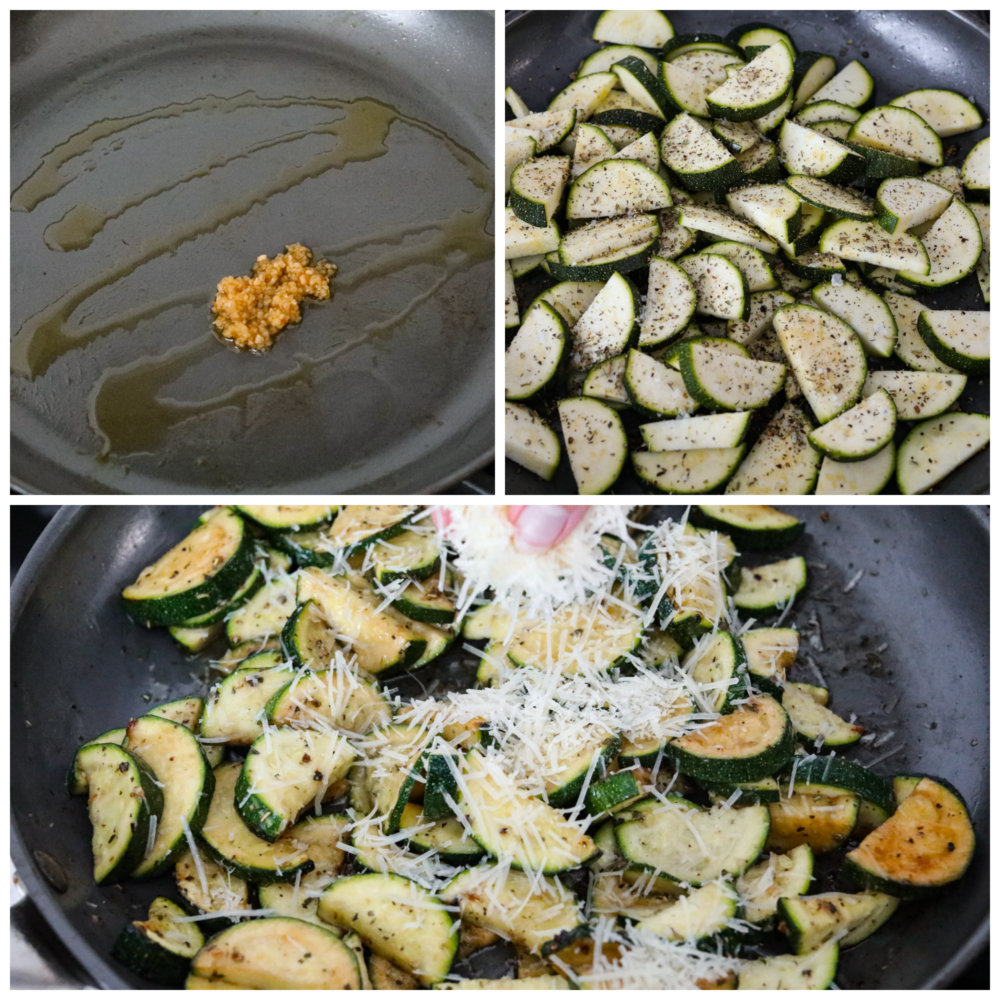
[
  {"x": 960, "y": 339},
  {"x": 737, "y": 137},
  {"x": 753, "y": 264},
  {"x": 670, "y": 303},
  {"x": 699, "y": 917},
  {"x": 976, "y": 172},
  {"x": 592, "y": 146},
  {"x": 982, "y": 214},
  {"x": 917, "y": 395},
  {"x": 522, "y": 239},
  {"x": 174, "y": 755},
  {"x": 771, "y": 207},
  {"x": 586, "y": 96},
  {"x": 699, "y": 160},
  {"x": 757, "y": 89},
  {"x": 124, "y": 798},
  {"x": 814, "y": 971},
  {"x": 688, "y": 844},
  {"x": 519, "y": 145},
  {"x": 265, "y": 613},
  {"x": 682, "y": 91},
  {"x": 196, "y": 640},
  {"x": 398, "y": 768},
  {"x": 899, "y": 131},
  {"x": 722, "y": 662},
  {"x": 905, "y": 202},
  {"x": 936, "y": 447},
  {"x": 717, "y": 430},
  {"x": 772, "y": 587},
  {"x": 533, "y": 358},
  {"x": 805, "y": 151},
  {"x": 446, "y": 837},
  {"x": 530, "y": 442},
  {"x": 751, "y": 792},
  {"x": 76, "y": 779},
  {"x": 780, "y": 875},
  {"x": 947, "y": 112},
  {"x": 690, "y": 471},
  {"x": 160, "y": 948},
  {"x": 812, "y": 71},
  {"x": 196, "y": 576},
  {"x": 836, "y": 200},
  {"x": 760, "y": 164},
  {"x": 763, "y": 306},
  {"x": 655, "y": 389},
  {"x": 701, "y": 41},
  {"x": 770, "y": 652},
  {"x": 328, "y": 699},
  {"x": 752, "y": 528},
  {"x": 857, "y": 478},
  {"x": 816, "y": 722},
  {"x": 536, "y": 188},
  {"x": 595, "y": 443},
  {"x": 817, "y": 112},
  {"x": 596, "y": 251},
  {"x": 867, "y": 314},
  {"x": 719, "y": 285},
  {"x": 724, "y": 381},
  {"x": 833, "y": 774},
  {"x": 614, "y": 187},
  {"x": 552, "y": 127},
  {"x": 606, "y": 382},
  {"x": 610, "y": 794},
  {"x": 852, "y": 86},
  {"x": 540, "y": 982},
  {"x": 758, "y": 35},
  {"x": 811, "y": 921},
  {"x": 719, "y": 222},
  {"x": 359, "y": 526},
  {"x": 413, "y": 554},
  {"x": 781, "y": 460},
  {"x": 307, "y": 638},
  {"x": 645, "y": 149},
  {"x": 650, "y": 29},
  {"x": 220, "y": 892},
  {"x": 301, "y": 517},
  {"x": 832, "y": 129},
  {"x": 538, "y": 914},
  {"x": 953, "y": 246},
  {"x": 604, "y": 58},
  {"x": 858, "y": 433},
  {"x": 825, "y": 355},
  {"x": 910, "y": 347},
  {"x": 277, "y": 953},
  {"x": 570, "y": 298},
  {"x": 926, "y": 844},
  {"x": 609, "y": 326}
]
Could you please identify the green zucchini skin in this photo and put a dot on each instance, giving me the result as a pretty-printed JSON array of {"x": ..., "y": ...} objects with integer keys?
[
  {"x": 765, "y": 538},
  {"x": 306, "y": 639},
  {"x": 138, "y": 951},
  {"x": 76, "y": 783},
  {"x": 568, "y": 793},
  {"x": 250, "y": 587},
  {"x": 848, "y": 776}
]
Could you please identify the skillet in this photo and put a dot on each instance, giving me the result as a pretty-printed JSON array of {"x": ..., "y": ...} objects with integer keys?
[
  {"x": 81, "y": 667},
  {"x": 154, "y": 153},
  {"x": 928, "y": 48}
]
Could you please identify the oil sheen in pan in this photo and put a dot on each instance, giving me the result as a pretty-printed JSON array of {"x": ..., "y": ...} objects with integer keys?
[{"x": 128, "y": 410}]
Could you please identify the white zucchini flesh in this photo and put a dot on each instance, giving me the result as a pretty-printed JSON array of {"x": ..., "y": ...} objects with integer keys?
[
  {"x": 827, "y": 111},
  {"x": 910, "y": 347},
  {"x": 649, "y": 29},
  {"x": 753, "y": 264},
  {"x": 957, "y": 337},
  {"x": 982, "y": 214},
  {"x": 859, "y": 432},
  {"x": 814, "y": 971},
  {"x": 571, "y": 298},
  {"x": 757, "y": 88},
  {"x": 511, "y": 317},
  {"x": 719, "y": 284},
  {"x": 707, "y": 65},
  {"x": 945, "y": 111},
  {"x": 937, "y": 447},
  {"x": 530, "y": 441},
  {"x": 826, "y": 358},
  {"x": 832, "y": 130},
  {"x": 953, "y": 246},
  {"x": 726, "y": 381},
  {"x": 905, "y": 202},
  {"x": 552, "y": 126},
  {"x": 866, "y": 313},
  {"x": 716, "y": 430},
  {"x": 852, "y": 86},
  {"x": 949, "y": 178},
  {"x": 617, "y": 187},
  {"x": 917, "y": 395},
  {"x": 805, "y": 151},
  {"x": 976, "y": 171},
  {"x": 655, "y": 388},
  {"x": 864, "y": 478},
  {"x": 819, "y": 73},
  {"x": 900, "y": 131},
  {"x": 763, "y": 306},
  {"x": 535, "y": 353},
  {"x": 595, "y": 443},
  {"x": 645, "y": 150},
  {"x": 517, "y": 150},
  {"x": 686, "y": 90},
  {"x": 592, "y": 146},
  {"x": 674, "y": 238},
  {"x": 737, "y": 137},
  {"x": 584, "y": 95},
  {"x": 719, "y": 222},
  {"x": 830, "y": 197},
  {"x": 771, "y": 207},
  {"x": 691, "y": 151},
  {"x": 520, "y": 266},
  {"x": 621, "y": 135},
  {"x": 607, "y": 238},
  {"x": 670, "y": 302},
  {"x": 782, "y": 460},
  {"x": 607, "y": 327},
  {"x": 536, "y": 188},
  {"x": 694, "y": 471},
  {"x": 869, "y": 243},
  {"x": 602, "y": 60},
  {"x": 773, "y": 119},
  {"x": 521, "y": 239},
  {"x": 606, "y": 382},
  {"x": 517, "y": 107}
]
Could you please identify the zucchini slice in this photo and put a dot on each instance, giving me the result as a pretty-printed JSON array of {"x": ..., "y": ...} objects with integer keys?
[
  {"x": 757, "y": 89},
  {"x": 947, "y": 112},
  {"x": 522, "y": 239},
  {"x": 771, "y": 207},
  {"x": 752, "y": 742},
  {"x": 724, "y": 381},
  {"x": 719, "y": 284},
  {"x": 265, "y": 613},
  {"x": 936, "y": 447},
  {"x": 809, "y": 922},
  {"x": 900, "y": 131},
  {"x": 717, "y": 430},
  {"x": 812, "y": 815},
  {"x": 301, "y": 517},
  {"x": 858, "y": 433},
  {"x": 836, "y": 200},
  {"x": 413, "y": 554},
  {"x": 752, "y": 528},
  {"x": 917, "y": 395},
  {"x": 76, "y": 778},
  {"x": 852, "y": 86},
  {"x": 196, "y": 576},
  {"x": 698, "y": 917},
  {"x": 864, "y": 478},
  {"x": 232, "y": 712},
  {"x": 654, "y": 389},
  {"x": 812, "y": 71},
  {"x": 960, "y": 339},
  {"x": 751, "y": 261},
  {"x": 124, "y": 798},
  {"x": 530, "y": 442},
  {"x": 825, "y": 355},
  {"x": 284, "y": 901},
  {"x": 609, "y": 326},
  {"x": 221, "y": 891},
  {"x": 645, "y": 149},
  {"x": 722, "y": 661},
  {"x": 780, "y": 875},
  {"x": 196, "y": 640},
  {"x": 737, "y": 137},
  {"x": 772, "y": 587},
  {"x": 670, "y": 303},
  {"x": 586, "y": 96},
  {"x": 867, "y": 314},
  {"x": 953, "y": 246},
  {"x": 604, "y": 58},
  {"x": 536, "y": 188},
  {"x": 763, "y": 306},
  {"x": 539, "y": 914},
  {"x": 814, "y": 971},
  {"x": 357, "y": 526},
  {"x": 174, "y": 755},
  {"x": 982, "y": 214},
  {"x": 596, "y": 251},
  {"x": 833, "y": 774},
  {"x": 519, "y": 145},
  {"x": 596, "y": 443},
  {"x": 707, "y": 65},
  {"x": 307, "y": 639},
  {"x": 905, "y": 202},
  {"x": 805, "y": 151},
  {"x": 534, "y": 356},
  {"x": 424, "y": 601},
  {"x": 688, "y": 471},
  {"x": 160, "y": 948},
  {"x": 719, "y": 222},
  {"x": 277, "y": 953},
  {"x": 328, "y": 699},
  {"x": 397, "y": 919},
  {"x": 816, "y": 722},
  {"x": 539, "y": 982},
  {"x": 869, "y": 243},
  {"x": 824, "y": 112},
  {"x": 688, "y": 844},
  {"x": 650, "y": 29},
  {"x": 760, "y": 164},
  {"x": 592, "y": 146},
  {"x": 926, "y": 844},
  {"x": 701, "y": 41},
  {"x": 910, "y": 347},
  {"x": 551, "y": 127},
  {"x": 570, "y": 298},
  {"x": 832, "y": 129},
  {"x": 976, "y": 172},
  {"x": 681, "y": 91},
  {"x": 517, "y": 106},
  {"x": 699, "y": 160},
  {"x": 446, "y": 838},
  {"x": 782, "y": 460}
]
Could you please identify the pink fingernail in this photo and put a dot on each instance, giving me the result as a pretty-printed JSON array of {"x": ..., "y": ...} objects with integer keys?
[{"x": 539, "y": 527}]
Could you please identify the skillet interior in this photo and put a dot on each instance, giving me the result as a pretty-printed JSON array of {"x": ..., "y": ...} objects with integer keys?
[
  {"x": 385, "y": 389},
  {"x": 928, "y": 49},
  {"x": 81, "y": 667}
]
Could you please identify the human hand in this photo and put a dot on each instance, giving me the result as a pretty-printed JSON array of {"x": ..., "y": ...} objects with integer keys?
[{"x": 540, "y": 527}]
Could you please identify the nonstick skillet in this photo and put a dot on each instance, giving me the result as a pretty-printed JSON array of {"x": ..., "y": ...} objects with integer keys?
[
  {"x": 903, "y": 50},
  {"x": 154, "y": 153},
  {"x": 906, "y": 649}
]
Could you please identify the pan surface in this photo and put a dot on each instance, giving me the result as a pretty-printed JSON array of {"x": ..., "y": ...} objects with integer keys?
[
  {"x": 903, "y": 50},
  {"x": 907, "y": 650},
  {"x": 154, "y": 153}
]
